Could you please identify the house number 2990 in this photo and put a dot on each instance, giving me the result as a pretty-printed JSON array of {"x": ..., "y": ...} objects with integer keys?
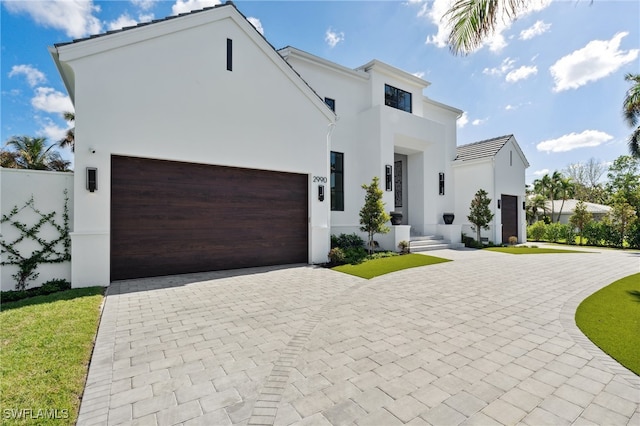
[{"x": 320, "y": 179}]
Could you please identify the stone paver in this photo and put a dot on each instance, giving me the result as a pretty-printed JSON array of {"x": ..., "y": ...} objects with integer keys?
[{"x": 486, "y": 339}]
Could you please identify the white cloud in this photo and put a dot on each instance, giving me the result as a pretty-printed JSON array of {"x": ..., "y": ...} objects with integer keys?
[
  {"x": 146, "y": 17},
  {"x": 596, "y": 60},
  {"x": 505, "y": 66},
  {"x": 51, "y": 130},
  {"x": 74, "y": 17},
  {"x": 521, "y": 73},
  {"x": 144, "y": 4},
  {"x": 33, "y": 75},
  {"x": 123, "y": 20},
  {"x": 479, "y": 121},
  {"x": 333, "y": 38},
  {"x": 463, "y": 120},
  {"x": 256, "y": 23},
  {"x": 541, "y": 172},
  {"x": 495, "y": 42},
  {"x": 49, "y": 100},
  {"x": 535, "y": 30},
  {"x": 419, "y": 74},
  {"x": 588, "y": 138},
  {"x": 510, "y": 107},
  {"x": 185, "y": 6}
]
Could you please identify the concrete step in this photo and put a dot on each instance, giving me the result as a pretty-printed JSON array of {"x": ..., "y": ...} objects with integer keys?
[{"x": 431, "y": 242}]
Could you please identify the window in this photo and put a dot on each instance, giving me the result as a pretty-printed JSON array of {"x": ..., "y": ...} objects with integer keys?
[
  {"x": 397, "y": 98},
  {"x": 337, "y": 181},
  {"x": 331, "y": 103},
  {"x": 229, "y": 54}
]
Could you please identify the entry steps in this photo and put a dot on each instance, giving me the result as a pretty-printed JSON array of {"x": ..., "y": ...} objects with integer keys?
[{"x": 431, "y": 242}]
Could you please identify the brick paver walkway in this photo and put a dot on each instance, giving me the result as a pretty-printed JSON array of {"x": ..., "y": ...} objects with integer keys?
[{"x": 486, "y": 339}]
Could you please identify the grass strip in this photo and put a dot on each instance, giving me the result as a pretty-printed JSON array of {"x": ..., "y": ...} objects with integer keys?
[
  {"x": 531, "y": 250},
  {"x": 610, "y": 318},
  {"x": 376, "y": 267},
  {"x": 46, "y": 344}
]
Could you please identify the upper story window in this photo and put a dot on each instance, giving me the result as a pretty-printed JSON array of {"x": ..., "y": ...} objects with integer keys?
[
  {"x": 331, "y": 103},
  {"x": 397, "y": 98}
]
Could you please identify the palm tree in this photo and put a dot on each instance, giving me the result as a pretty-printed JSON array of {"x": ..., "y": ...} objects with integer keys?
[
  {"x": 31, "y": 153},
  {"x": 473, "y": 20},
  {"x": 8, "y": 159},
  {"x": 566, "y": 189},
  {"x": 631, "y": 108},
  {"x": 69, "y": 139}
]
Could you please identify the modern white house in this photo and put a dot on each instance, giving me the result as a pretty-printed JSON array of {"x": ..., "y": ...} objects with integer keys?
[
  {"x": 498, "y": 166},
  {"x": 200, "y": 147}
]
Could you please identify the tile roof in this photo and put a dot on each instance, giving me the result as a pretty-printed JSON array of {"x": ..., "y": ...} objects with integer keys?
[
  {"x": 483, "y": 149},
  {"x": 570, "y": 206}
]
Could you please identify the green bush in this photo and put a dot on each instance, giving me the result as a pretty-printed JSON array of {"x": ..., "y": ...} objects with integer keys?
[
  {"x": 593, "y": 233},
  {"x": 610, "y": 235},
  {"x": 568, "y": 233},
  {"x": 554, "y": 232},
  {"x": 346, "y": 241},
  {"x": 51, "y": 286},
  {"x": 336, "y": 256},
  {"x": 355, "y": 255},
  {"x": 633, "y": 237},
  {"x": 537, "y": 231}
]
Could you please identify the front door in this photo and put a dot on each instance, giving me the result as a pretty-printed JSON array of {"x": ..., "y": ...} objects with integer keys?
[{"x": 509, "y": 217}]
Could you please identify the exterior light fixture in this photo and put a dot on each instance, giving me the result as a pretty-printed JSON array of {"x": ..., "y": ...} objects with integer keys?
[{"x": 92, "y": 179}]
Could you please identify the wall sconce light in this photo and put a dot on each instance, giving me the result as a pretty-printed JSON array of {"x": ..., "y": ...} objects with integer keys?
[
  {"x": 388, "y": 177},
  {"x": 441, "y": 183},
  {"x": 92, "y": 179},
  {"x": 321, "y": 192},
  {"x": 498, "y": 203},
  {"x": 524, "y": 205}
]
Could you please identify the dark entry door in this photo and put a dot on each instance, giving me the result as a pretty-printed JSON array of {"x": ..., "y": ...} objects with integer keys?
[{"x": 509, "y": 217}]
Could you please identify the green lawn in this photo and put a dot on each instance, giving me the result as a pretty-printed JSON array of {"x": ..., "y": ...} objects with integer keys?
[
  {"x": 46, "y": 344},
  {"x": 610, "y": 318},
  {"x": 373, "y": 268},
  {"x": 530, "y": 250}
]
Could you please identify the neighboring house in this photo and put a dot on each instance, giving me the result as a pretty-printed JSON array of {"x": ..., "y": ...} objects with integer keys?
[
  {"x": 212, "y": 150},
  {"x": 598, "y": 211},
  {"x": 498, "y": 166}
]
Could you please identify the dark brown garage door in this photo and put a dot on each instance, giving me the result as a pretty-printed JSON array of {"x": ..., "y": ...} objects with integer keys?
[
  {"x": 509, "y": 217},
  {"x": 172, "y": 218}
]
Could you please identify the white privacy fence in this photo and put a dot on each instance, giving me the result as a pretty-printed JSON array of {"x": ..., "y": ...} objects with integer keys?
[{"x": 34, "y": 227}]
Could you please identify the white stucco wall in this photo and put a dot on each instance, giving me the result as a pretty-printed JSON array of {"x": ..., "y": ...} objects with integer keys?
[
  {"x": 163, "y": 91},
  {"x": 510, "y": 180},
  {"x": 47, "y": 189},
  {"x": 502, "y": 174}
]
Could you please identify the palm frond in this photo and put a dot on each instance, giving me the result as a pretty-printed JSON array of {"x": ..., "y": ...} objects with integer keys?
[{"x": 631, "y": 103}]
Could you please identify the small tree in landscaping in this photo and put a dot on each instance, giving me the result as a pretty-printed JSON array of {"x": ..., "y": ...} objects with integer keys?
[
  {"x": 479, "y": 214},
  {"x": 372, "y": 215},
  {"x": 580, "y": 218}
]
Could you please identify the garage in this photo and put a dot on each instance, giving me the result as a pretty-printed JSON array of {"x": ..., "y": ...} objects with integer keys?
[{"x": 170, "y": 217}]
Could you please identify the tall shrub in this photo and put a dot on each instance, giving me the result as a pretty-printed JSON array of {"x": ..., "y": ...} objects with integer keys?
[
  {"x": 537, "y": 231},
  {"x": 479, "y": 213},
  {"x": 373, "y": 216},
  {"x": 580, "y": 218}
]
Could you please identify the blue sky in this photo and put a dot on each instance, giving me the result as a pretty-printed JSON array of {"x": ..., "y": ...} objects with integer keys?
[{"x": 554, "y": 78}]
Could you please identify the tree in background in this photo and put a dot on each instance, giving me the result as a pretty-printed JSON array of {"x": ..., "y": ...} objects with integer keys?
[
  {"x": 69, "y": 139},
  {"x": 580, "y": 218},
  {"x": 631, "y": 111},
  {"x": 32, "y": 153},
  {"x": 586, "y": 178},
  {"x": 624, "y": 181},
  {"x": 565, "y": 190},
  {"x": 479, "y": 213},
  {"x": 623, "y": 217},
  {"x": 373, "y": 216}
]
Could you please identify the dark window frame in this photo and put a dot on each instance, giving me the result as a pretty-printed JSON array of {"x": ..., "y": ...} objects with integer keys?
[
  {"x": 337, "y": 181},
  {"x": 398, "y": 98},
  {"x": 331, "y": 103}
]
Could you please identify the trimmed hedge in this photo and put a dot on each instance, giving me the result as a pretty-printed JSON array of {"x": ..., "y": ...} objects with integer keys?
[{"x": 51, "y": 286}]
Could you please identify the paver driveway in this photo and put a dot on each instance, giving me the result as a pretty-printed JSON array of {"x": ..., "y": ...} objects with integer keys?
[{"x": 486, "y": 339}]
